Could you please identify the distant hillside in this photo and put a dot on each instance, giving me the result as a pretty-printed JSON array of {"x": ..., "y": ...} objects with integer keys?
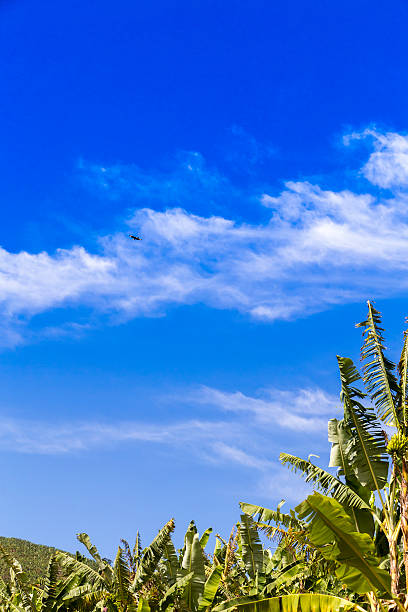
[{"x": 33, "y": 557}]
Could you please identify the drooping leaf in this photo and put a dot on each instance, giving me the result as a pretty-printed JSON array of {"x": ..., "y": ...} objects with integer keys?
[
  {"x": 332, "y": 530},
  {"x": 265, "y": 515},
  {"x": 324, "y": 481},
  {"x": 86, "y": 541},
  {"x": 80, "y": 569},
  {"x": 205, "y": 537}
]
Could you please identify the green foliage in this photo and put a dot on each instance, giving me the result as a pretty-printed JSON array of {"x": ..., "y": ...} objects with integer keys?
[
  {"x": 331, "y": 529},
  {"x": 152, "y": 555},
  {"x": 34, "y": 558},
  {"x": 306, "y": 602},
  {"x": 366, "y": 449},
  {"x": 379, "y": 377},
  {"x": 252, "y": 552}
]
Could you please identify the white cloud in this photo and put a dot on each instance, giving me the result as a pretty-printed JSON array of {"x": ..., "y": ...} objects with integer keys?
[
  {"x": 238, "y": 436},
  {"x": 319, "y": 247},
  {"x": 301, "y": 410},
  {"x": 237, "y": 455},
  {"x": 388, "y": 165},
  {"x": 45, "y": 438}
]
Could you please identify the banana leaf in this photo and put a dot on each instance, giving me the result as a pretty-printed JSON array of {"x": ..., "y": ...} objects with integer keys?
[
  {"x": 332, "y": 530},
  {"x": 211, "y": 586},
  {"x": 193, "y": 561},
  {"x": 252, "y": 551},
  {"x": 304, "y": 602},
  {"x": 152, "y": 556}
]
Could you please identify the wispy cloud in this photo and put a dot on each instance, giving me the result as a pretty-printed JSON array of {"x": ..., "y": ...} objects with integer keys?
[
  {"x": 300, "y": 410},
  {"x": 319, "y": 247},
  {"x": 237, "y": 455},
  {"x": 292, "y": 410},
  {"x": 237, "y": 434},
  {"x": 45, "y": 438}
]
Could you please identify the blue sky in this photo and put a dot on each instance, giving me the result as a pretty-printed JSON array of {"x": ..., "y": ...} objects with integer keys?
[{"x": 260, "y": 149}]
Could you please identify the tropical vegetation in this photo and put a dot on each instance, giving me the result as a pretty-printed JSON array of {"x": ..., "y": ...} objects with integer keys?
[{"x": 344, "y": 547}]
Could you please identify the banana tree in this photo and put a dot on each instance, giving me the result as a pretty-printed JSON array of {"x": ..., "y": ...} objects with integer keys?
[
  {"x": 365, "y": 506},
  {"x": 154, "y": 579},
  {"x": 113, "y": 587},
  {"x": 193, "y": 579}
]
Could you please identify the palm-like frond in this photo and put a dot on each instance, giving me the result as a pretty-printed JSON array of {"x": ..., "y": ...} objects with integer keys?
[
  {"x": 287, "y": 576},
  {"x": 171, "y": 561},
  {"x": 84, "y": 572},
  {"x": 50, "y": 584},
  {"x": 403, "y": 389},
  {"x": 295, "y": 542},
  {"x": 152, "y": 555},
  {"x": 366, "y": 451},
  {"x": 71, "y": 582},
  {"x": 379, "y": 377},
  {"x": 122, "y": 577},
  {"x": 324, "y": 481},
  {"x": 266, "y": 515},
  {"x": 85, "y": 594},
  {"x": 252, "y": 552},
  {"x": 137, "y": 549}
]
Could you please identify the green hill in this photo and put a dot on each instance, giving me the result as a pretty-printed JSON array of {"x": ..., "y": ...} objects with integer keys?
[{"x": 33, "y": 557}]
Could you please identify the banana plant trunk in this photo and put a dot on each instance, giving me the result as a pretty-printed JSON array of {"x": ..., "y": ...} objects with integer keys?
[
  {"x": 404, "y": 514},
  {"x": 394, "y": 570}
]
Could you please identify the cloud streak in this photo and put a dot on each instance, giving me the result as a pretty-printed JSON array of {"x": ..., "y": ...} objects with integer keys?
[
  {"x": 287, "y": 410},
  {"x": 301, "y": 410},
  {"x": 318, "y": 247},
  {"x": 236, "y": 435}
]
